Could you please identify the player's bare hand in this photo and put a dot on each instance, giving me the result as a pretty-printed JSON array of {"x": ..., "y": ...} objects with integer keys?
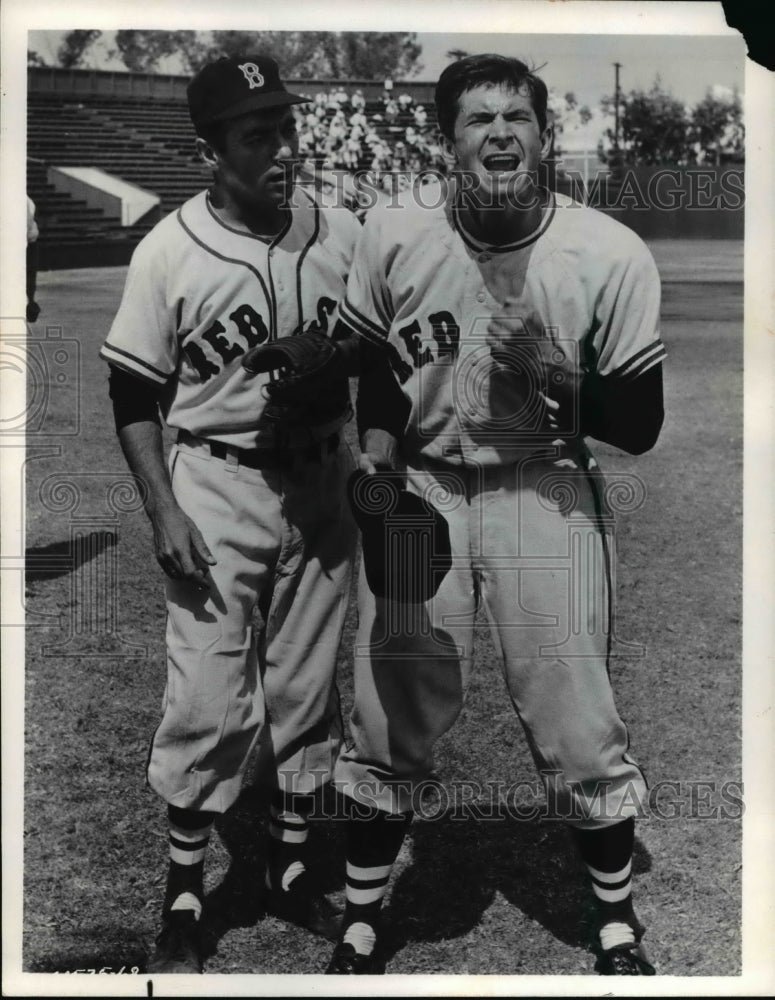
[
  {"x": 180, "y": 549},
  {"x": 523, "y": 347},
  {"x": 515, "y": 327},
  {"x": 379, "y": 452}
]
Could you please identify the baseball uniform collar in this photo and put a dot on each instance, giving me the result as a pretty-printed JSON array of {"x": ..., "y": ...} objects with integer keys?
[
  {"x": 478, "y": 246},
  {"x": 244, "y": 231}
]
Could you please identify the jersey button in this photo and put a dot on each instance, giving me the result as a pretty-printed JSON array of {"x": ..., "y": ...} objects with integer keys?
[
  {"x": 481, "y": 297},
  {"x": 484, "y": 257}
]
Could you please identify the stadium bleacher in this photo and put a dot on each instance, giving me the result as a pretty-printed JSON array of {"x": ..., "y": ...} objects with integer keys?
[{"x": 148, "y": 141}]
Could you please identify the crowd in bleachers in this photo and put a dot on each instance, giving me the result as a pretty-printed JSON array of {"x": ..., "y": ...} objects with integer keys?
[{"x": 341, "y": 131}]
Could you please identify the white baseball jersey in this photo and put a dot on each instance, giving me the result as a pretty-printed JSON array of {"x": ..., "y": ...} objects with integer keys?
[
  {"x": 427, "y": 288},
  {"x": 200, "y": 293}
]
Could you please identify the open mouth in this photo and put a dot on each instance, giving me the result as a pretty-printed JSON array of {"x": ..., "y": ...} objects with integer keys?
[{"x": 501, "y": 162}]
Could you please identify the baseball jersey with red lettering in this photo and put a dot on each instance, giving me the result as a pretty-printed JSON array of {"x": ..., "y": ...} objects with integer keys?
[
  {"x": 200, "y": 293},
  {"x": 427, "y": 289}
]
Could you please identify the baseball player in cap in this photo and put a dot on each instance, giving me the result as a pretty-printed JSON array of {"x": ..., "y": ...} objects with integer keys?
[
  {"x": 514, "y": 324},
  {"x": 249, "y": 516}
]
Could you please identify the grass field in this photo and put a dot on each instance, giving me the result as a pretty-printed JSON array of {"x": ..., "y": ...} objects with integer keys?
[{"x": 471, "y": 896}]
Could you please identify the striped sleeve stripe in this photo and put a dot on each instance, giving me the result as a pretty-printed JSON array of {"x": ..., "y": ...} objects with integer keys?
[
  {"x": 133, "y": 365},
  {"x": 641, "y": 361},
  {"x": 361, "y": 324}
]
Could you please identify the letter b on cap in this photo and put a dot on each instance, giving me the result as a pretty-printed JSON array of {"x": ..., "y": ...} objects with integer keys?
[{"x": 252, "y": 74}]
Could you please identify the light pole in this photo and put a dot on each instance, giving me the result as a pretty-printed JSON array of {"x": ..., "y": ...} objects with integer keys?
[{"x": 617, "y": 67}]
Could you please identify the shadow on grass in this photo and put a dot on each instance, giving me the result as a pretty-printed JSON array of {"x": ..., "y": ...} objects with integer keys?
[
  {"x": 459, "y": 865},
  {"x": 237, "y": 900},
  {"x": 58, "y": 559}
]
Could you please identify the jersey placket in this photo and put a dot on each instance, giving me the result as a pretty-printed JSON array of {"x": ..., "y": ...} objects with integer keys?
[{"x": 478, "y": 306}]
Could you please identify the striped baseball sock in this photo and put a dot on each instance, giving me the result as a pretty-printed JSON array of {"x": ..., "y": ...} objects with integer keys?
[
  {"x": 189, "y": 835},
  {"x": 607, "y": 854},
  {"x": 372, "y": 848},
  {"x": 288, "y": 832}
]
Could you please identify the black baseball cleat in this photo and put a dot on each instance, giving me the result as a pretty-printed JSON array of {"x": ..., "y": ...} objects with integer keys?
[
  {"x": 624, "y": 960},
  {"x": 346, "y": 961},
  {"x": 178, "y": 947},
  {"x": 304, "y": 905}
]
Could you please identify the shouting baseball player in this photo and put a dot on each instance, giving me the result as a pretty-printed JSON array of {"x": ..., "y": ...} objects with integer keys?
[
  {"x": 516, "y": 323},
  {"x": 249, "y": 512}
]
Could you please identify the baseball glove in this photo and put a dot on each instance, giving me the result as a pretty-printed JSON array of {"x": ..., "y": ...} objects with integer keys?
[
  {"x": 406, "y": 547},
  {"x": 312, "y": 377}
]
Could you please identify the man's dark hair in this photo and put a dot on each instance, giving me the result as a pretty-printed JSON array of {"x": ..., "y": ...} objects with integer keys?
[{"x": 485, "y": 70}]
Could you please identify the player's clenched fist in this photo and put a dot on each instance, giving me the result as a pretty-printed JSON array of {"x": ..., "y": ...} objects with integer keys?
[
  {"x": 523, "y": 347},
  {"x": 180, "y": 549},
  {"x": 518, "y": 332}
]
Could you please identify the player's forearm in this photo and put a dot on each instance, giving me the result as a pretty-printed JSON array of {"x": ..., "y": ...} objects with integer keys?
[
  {"x": 628, "y": 415},
  {"x": 348, "y": 345},
  {"x": 380, "y": 403},
  {"x": 143, "y": 449}
]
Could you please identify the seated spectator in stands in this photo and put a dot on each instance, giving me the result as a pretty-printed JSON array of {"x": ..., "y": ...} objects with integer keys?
[
  {"x": 420, "y": 117},
  {"x": 391, "y": 111},
  {"x": 436, "y": 159},
  {"x": 33, "y": 309},
  {"x": 337, "y": 128},
  {"x": 358, "y": 101},
  {"x": 359, "y": 118},
  {"x": 405, "y": 101},
  {"x": 352, "y": 153}
]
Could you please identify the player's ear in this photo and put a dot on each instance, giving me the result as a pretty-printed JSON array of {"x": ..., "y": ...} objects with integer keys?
[
  {"x": 207, "y": 153},
  {"x": 547, "y": 137},
  {"x": 448, "y": 151}
]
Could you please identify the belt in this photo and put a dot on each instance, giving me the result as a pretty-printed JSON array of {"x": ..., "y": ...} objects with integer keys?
[{"x": 265, "y": 458}]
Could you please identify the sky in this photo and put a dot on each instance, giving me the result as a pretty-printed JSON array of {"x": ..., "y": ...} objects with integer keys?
[{"x": 687, "y": 65}]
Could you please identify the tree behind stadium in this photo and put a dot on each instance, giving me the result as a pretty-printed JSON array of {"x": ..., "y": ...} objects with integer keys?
[{"x": 332, "y": 55}]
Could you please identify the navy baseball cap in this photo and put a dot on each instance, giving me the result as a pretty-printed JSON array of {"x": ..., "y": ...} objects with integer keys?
[{"x": 236, "y": 85}]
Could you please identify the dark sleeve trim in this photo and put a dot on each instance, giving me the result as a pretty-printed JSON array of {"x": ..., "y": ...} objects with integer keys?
[
  {"x": 381, "y": 403},
  {"x": 135, "y": 400},
  {"x": 627, "y": 413}
]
